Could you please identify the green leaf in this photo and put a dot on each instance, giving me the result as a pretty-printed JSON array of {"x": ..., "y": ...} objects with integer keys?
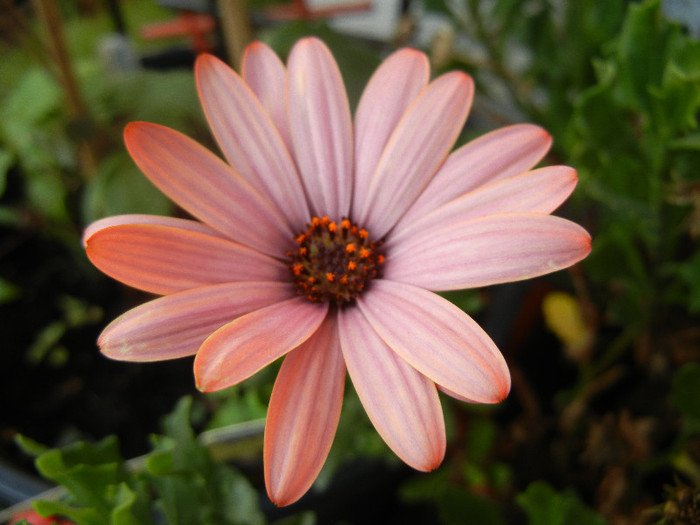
[
  {"x": 453, "y": 502},
  {"x": 7, "y": 160},
  {"x": 689, "y": 274},
  {"x": 545, "y": 506},
  {"x": 239, "y": 500},
  {"x": 86, "y": 470},
  {"x": 29, "y": 446},
  {"x": 641, "y": 51},
  {"x": 128, "y": 510},
  {"x": 8, "y": 291},
  {"x": 119, "y": 187},
  {"x": 35, "y": 97},
  {"x": 45, "y": 341},
  {"x": 81, "y": 516},
  {"x": 685, "y": 390}
]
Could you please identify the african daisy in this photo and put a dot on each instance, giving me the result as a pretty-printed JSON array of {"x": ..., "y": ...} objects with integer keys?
[{"x": 323, "y": 238}]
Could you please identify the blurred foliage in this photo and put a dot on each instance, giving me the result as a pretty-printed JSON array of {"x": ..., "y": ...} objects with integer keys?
[
  {"x": 545, "y": 506},
  {"x": 177, "y": 483},
  {"x": 594, "y": 429}
]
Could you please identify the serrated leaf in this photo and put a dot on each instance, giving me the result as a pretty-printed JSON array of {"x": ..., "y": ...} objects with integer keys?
[
  {"x": 81, "y": 516},
  {"x": 29, "y": 446},
  {"x": 127, "y": 510}
]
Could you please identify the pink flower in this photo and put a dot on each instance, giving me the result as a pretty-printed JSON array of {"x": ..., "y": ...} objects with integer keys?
[{"x": 319, "y": 241}]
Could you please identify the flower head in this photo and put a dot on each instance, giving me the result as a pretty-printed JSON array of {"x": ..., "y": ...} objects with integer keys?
[{"x": 319, "y": 240}]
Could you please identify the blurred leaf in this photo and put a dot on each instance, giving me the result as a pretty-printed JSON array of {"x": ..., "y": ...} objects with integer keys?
[
  {"x": 480, "y": 440},
  {"x": 689, "y": 273},
  {"x": 685, "y": 390},
  {"x": 641, "y": 58},
  {"x": 45, "y": 340},
  {"x": 29, "y": 446},
  {"x": 7, "y": 159},
  {"x": 129, "y": 509},
  {"x": 77, "y": 312},
  {"x": 454, "y": 503},
  {"x": 467, "y": 300},
  {"x": 691, "y": 141},
  {"x": 544, "y": 506},
  {"x": 81, "y": 516},
  {"x": 168, "y": 98},
  {"x": 8, "y": 291},
  {"x": 35, "y": 96},
  {"x": 120, "y": 188}
]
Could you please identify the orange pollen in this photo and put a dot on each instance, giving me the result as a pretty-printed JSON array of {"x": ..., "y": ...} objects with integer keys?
[{"x": 334, "y": 261}]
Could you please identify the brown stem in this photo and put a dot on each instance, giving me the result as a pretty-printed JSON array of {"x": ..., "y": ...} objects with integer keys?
[{"x": 50, "y": 18}]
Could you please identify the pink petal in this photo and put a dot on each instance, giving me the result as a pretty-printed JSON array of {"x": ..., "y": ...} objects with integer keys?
[
  {"x": 303, "y": 414},
  {"x": 390, "y": 91},
  {"x": 207, "y": 187},
  {"x": 241, "y": 348},
  {"x": 118, "y": 220},
  {"x": 537, "y": 191},
  {"x": 437, "y": 339},
  {"x": 321, "y": 127},
  {"x": 176, "y": 325},
  {"x": 490, "y": 250},
  {"x": 416, "y": 149},
  {"x": 165, "y": 259},
  {"x": 402, "y": 404},
  {"x": 249, "y": 139},
  {"x": 266, "y": 75},
  {"x": 497, "y": 155}
]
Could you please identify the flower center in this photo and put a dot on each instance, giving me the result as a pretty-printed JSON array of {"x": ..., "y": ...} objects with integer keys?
[{"x": 334, "y": 262}]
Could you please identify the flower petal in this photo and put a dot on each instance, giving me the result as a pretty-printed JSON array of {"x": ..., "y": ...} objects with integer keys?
[
  {"x": 166, "y": 259},
  {"x": 490, "y": 250},
  {"x": 390, "y": 91},
  {"x": 437, "y": 339},
  {"x": 303, "y": 414},
  {"x": 500, "y": 154},
  {"x": 118, "y": 220},
  {"x": 321, "y": 127},
  {"x": 207, "y": 187},
  {"x": 537, "y": 191},
  {"x": 266, "y": 75},
  {"x": 239, "y": 349},
  {"x": 146, "y": 333},
  {"x": 421, "y": 141},
  {"x": 249, "y": 139},
  {"x": 402, "y": 404}
]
